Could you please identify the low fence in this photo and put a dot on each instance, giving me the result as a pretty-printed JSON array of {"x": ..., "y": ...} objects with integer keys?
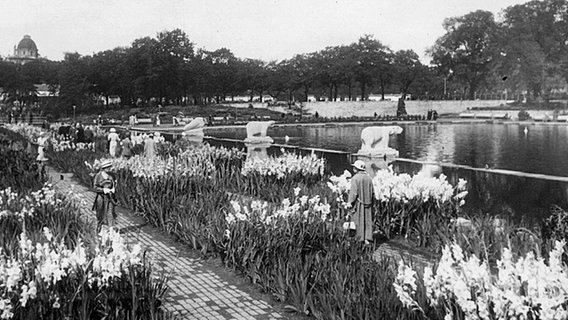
[{"x": 36, "y": 120}]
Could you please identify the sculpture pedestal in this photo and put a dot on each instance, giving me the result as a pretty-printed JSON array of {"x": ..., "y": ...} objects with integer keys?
[
  {"x": 194, "y": 132},
  {"x": 376, "y": 160},
  {"x": 193, "y": 140},
  {"x": 257, "y": 150},
  {"x": 259, "y": 140}
]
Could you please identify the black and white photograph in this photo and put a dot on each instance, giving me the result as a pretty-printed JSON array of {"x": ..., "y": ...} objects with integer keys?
[{"x": 283, "y": 159}]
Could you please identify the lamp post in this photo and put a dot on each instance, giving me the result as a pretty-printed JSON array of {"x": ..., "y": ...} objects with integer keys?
[{"x": 74, "y": 107}]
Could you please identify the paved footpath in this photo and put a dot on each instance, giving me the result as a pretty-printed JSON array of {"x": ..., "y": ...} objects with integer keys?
[{"x": 196, "y": 291}]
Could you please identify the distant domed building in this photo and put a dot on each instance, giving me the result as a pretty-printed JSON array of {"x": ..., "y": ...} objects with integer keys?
[{"x": 25, "y": 51}]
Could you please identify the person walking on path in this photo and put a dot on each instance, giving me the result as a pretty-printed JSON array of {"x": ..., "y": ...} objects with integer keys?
[
  {"x": 41, "y": 143},
  {"x": 104, "y": 204},
  {"x": 361, "y": 198},
  {"x": 149, "y": 147},
  {"x": 114, "y": 139},
  {"x": 126, "y": 146}
]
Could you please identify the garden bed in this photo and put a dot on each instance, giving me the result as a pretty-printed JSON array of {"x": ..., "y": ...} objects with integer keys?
[
  {"x": 54, "y": 264},
  {"x": 282, "y": 230}
]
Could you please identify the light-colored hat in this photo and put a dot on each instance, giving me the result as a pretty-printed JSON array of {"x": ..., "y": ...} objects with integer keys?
[
  {"x": 106, "y": 164},
  {"x": 156, "y": 134},
  {"x": 359, "y": 165},
  {"x": 112, "y": 130}
]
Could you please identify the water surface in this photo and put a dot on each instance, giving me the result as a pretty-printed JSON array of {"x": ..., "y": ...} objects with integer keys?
[{"x": 542, "y": 149}]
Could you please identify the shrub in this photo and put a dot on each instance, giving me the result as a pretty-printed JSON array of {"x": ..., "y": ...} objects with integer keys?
[{"x": 524, "y": 115}]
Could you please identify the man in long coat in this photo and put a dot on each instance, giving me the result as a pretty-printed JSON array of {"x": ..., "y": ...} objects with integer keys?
[{"x": 361, "y": 198}]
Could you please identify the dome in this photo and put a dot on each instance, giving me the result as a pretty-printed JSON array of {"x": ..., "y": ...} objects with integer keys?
[{"x": 27, "y": 43}]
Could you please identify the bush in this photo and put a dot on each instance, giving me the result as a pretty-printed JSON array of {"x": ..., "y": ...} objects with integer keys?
[{"x": 523, "y": 115}]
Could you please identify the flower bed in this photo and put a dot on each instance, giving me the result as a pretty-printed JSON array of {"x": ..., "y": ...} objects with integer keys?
[
  {"x": 418, "y": 207},
  {"x": 465, "y": 287},
  {"x": 296, "y": 250},
  {"x": 53, "y": 265},
  {"x": 273, "y": 178}
]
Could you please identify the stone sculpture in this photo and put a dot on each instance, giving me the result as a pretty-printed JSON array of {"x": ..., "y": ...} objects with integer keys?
[
  {"x": 194, "y": 128},
  {"x": 256, "y": 132},
  {"x": 375, "y": 141},
  {"x": 42, "y": 141}
]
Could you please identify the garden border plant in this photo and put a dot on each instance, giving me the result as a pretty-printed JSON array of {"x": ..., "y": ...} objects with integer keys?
[
  {"x": 309, "y": 263},
  {"x": 50, "y": 268}
]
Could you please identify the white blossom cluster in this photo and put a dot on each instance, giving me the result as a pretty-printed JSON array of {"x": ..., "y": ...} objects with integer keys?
[
  {"x": 303, "y": 206},
  {"x": 197, "y": 161},
  {"x": 32, "y": 133},
  {"x": 284, "y": 165},
  {"x": 12, "y": 204},
  {"x": 37, "y": 269},
  {"x": 404, "y": 187},
  {"x": 340, "y": 185},
  {"x": 389, "y": 185},
  {"x": 62, "y": 145},
  {"x": 527, "y": 288}
]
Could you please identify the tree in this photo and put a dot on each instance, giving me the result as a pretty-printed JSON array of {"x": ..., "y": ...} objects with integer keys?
[
  {"x": 372, "y": 61},
  {"x": 144, "y": 68},
  {"x": 468, "y": 48},
  {"x": 302, "y": 74},
  {"x": 407, "y": 67},
  {"x": 221, "y": 70},
  {"x": 534, "y": 52},
  {"x": 174, "y": 49},
  {"x": 74, "y": 80},
  {"x": 110, "y": 76},
  {"x": 251, "y": 77},
  {"x": 278, "y": 78}
]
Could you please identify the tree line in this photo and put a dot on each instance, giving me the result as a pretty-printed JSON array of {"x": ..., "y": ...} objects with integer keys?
[{"x": 523, "y": 54}]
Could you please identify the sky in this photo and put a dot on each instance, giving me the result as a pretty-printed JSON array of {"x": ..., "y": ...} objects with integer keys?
[{"x": 260, "y": 29}]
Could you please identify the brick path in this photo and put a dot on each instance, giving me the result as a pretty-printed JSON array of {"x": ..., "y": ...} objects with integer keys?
[{"x": 196, "y": 291}]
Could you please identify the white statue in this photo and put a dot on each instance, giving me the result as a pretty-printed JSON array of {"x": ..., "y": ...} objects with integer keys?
[
  {"x": 375, "y": 140},
  {"x": 195, "y": 127},
  {"x": 42, "y": 141},
  {"x": 256, "y": 131}
]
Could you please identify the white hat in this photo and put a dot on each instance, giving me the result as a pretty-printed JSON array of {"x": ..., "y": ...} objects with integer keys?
[
  {"x": 112, "y": 130},
  {"x": 106, "y": 164},
  {"x": 359, "y": 165}
]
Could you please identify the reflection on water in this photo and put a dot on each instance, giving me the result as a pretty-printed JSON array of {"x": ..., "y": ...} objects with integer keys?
[{"x": 543, "y": 149}]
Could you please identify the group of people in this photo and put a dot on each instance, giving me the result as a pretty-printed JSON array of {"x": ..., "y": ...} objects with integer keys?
[
  {"x": 122, "y": 147},
  {"x": 76, "y": 133},
  {"x": 117, "y": 146},
  {"x": 432, "y": 115},
  {"x": 104, "y": 184}
]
